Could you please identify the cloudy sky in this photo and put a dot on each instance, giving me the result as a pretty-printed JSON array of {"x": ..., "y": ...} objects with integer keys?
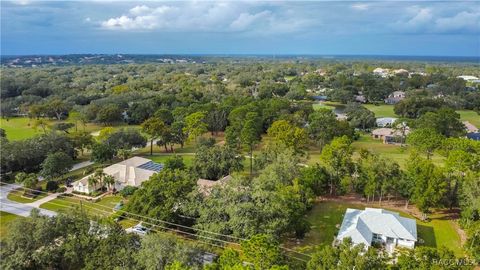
[{"x": 443, "y": 28}]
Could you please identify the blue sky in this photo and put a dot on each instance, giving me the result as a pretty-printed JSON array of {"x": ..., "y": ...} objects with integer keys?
[{"x": 443, "y": 28}]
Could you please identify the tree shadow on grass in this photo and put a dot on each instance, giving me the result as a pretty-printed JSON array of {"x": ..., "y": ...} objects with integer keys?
[{"x": 427, "y": 234}]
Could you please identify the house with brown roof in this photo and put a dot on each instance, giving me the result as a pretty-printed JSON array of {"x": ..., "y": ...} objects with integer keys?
[{"x": 390, "y": 135}]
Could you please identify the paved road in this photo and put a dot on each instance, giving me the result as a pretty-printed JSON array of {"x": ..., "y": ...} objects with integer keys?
[
  {"x": 17, "y": 208},
  {"x": 81, "y": 165}
]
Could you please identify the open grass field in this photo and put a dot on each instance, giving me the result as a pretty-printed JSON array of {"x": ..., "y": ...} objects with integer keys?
[
  {"x": 470, "y": 116},
  {"x": 19, "y": 128},
  {"x": 395, "y": 152},
  {"x": 326, "y": 217},
  {"x": 16, "y": 196},
  {"x": 383, "y": 110},
  {"x": 102, "y": 208},
  {"x": 187, "y": 158},
  {"x": 5, "y": 220}
]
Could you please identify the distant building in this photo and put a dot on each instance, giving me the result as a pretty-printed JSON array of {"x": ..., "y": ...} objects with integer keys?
[
  {"x": 131, "y": 172},
  {"x": 389, "y": 135},
  {"x": 205, "y": 186},
  {"x": 385, "y": 121},
  {"x": 468, "y": 78},
  {"x": 470, "y": 127},
  {"x": 395, "y": 97},
  {"x": 382, "y": 72},
  {"x": 401, "y": 72},
  {"x": 374, "y": 225},
  {"x": 360, "y": 98}
]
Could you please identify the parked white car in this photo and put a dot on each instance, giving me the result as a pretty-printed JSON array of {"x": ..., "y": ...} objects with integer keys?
[{"x": 138, "y": 229}]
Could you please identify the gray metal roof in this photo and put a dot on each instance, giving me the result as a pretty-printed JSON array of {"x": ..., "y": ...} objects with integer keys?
[{"x": 360, "y": 225}]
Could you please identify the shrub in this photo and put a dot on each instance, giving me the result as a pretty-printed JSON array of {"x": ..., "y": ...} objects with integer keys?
[
  {"x": 52, "y": 186},
  {"x": 61, "y": 189},
  {"x": 127, "y": 191}
]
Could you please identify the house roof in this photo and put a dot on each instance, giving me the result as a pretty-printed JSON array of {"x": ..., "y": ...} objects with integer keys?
[
  {"x": 360, "y": 225},
  {"x": 467, "y": 77},
  {"x": 470, "y": 127},
  {"x": 382, "y": 131},
  {"x": 205, "y": 185},
  {"x": 474, "y": 136},
  {"x": 132, "y": 171},
  {"x": 385, "y": 120}
]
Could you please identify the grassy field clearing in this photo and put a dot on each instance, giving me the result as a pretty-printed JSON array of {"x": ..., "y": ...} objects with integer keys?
[
  {"x": 326, "y": 218},
  {"x": 102, "y": 208},
  {"x": 395, "y": 152},
  {"x": 19, "y": 128},
  {"x": 470, "y": 116},
  {"x": 382, "y": 110},
  {"x": 5, "y": 220},
  {"x": 17, "y": 196}
]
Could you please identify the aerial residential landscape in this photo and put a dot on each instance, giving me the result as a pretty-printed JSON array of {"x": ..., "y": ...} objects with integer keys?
[{"x": 240, "y": 135}]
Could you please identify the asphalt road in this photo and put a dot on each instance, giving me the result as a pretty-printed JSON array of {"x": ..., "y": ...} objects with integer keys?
[{"x": 17, "y": 208}]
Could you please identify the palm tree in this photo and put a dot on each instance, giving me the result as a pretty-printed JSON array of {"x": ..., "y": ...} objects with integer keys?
[
  {"x": 109, "y": 181},
  {"x": 92, "y": 181},
  {"x": 100, "y": 175}
]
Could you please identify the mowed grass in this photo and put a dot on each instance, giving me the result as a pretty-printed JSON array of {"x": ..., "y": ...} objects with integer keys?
[
  {"x": 19, "y": 128},
  {"x": 326, "y": 218},
  {"x": 383, "y": 110},
  {"x": 470, "y": 116},
  {"x": 17, "y": 196},
  {"x": 5, "y": 222},
  {"x": 104, "y": 207},
  {"x": 397, "y": 153},
  {"x": 187, "y": 158}
]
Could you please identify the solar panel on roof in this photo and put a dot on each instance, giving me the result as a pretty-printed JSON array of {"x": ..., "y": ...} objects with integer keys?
[{"x": 151, "y": 166}]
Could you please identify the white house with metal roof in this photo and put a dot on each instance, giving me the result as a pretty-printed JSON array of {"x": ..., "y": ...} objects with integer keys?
[
  {"x": 374, "y": 225},
  {"x": 130, "y": 172},
  {"x": 385, "y": 121}
]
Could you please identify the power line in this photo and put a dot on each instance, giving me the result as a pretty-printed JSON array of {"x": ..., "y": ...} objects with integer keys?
[{"x": 169, "y": 223}]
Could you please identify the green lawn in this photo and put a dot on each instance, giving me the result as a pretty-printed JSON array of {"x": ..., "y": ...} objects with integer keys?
[
  {"x": 64, "y": 204},
  {"x": 102, "y": 208},
  {"x": 16, "y": 196},
  {"x": 187, "y": 159},
  {"x": 470, "y": 116},
  {"x": 326, "y": 217},
  {"x": 19, "y": 128},
  {"x": 395, "y": 152},
  {"x": 383, "y": 110},
  {"x": 5, "y": 220}
]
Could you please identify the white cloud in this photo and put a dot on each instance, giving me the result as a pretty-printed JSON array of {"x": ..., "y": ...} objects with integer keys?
[
  {"x": 206, "y": 16},
  {"x": 360, "y": 6},
  {"x": 463, "y": 21},
  {"x": 429, "y": 20},
  {"x": 245, "y": 20}
]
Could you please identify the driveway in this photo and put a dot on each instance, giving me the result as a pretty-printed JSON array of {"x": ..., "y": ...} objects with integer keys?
[{"x": 18, "y": 208}]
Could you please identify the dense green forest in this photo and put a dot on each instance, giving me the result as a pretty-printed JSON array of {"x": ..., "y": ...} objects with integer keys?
[{"x": 253, "y": 120}]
